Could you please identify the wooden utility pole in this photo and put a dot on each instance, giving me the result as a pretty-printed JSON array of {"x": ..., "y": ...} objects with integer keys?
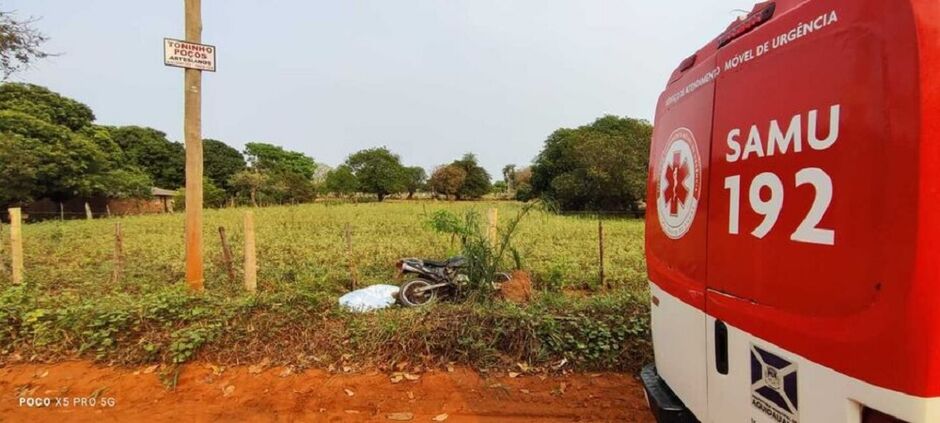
[
  {"x": 192, "y": 132},
  {"x": 16, "y": 244}
]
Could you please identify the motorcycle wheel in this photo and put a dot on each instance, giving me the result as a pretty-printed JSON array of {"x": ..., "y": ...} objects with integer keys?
[{"x": 410, "y": 298}]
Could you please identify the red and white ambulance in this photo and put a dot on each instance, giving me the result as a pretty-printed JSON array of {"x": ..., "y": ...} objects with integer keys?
[{"x": 793, "y": 224}]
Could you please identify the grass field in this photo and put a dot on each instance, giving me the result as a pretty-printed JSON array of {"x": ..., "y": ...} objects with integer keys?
[{"x": 71, "y": 306}]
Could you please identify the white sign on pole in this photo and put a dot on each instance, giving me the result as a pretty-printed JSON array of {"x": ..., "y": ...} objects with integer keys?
[{"x": 184, "y": 54}]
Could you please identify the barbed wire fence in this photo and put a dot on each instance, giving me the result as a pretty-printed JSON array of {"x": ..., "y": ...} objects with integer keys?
[{"x": 228, "y": 264}]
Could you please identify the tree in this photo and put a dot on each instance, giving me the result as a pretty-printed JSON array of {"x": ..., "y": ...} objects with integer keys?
[
  {"x": 271, "y": 158},
  {"x": 379, "y": 171},
  {"x": 52, "y": 149},
  {"x": 21, "y": 169},
  {"x": 248, "y": 183},
  {"x": 288, "y": 187},
  {"x": 601, "y": 166},
  {"x": 221, "y": 162},
  {"x": 447, "y": 180},
  {"x": 151, "y": 151},
  {"x": 500, "y": 187},
  {"x": 509, "y": 176},
  {"x": 213, "y": 197},
  {"x": 319, "y": 176},
  {"x": 415, "y": 177},
  {"x": 341, "y": 181},
  {"x": 20, "y": 44},
  {"x": 523, "y": 181},
  {"x": 126, "y": 183},
  {"x": 44, "y": 104},
  {"x": 59, "y": 163},
  {"x": 477, "y": 181}
]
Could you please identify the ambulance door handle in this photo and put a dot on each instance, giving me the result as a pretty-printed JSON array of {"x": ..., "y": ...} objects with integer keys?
[{"x": 721, "y": 347}]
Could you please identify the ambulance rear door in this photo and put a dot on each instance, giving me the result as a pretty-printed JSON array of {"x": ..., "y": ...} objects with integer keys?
[{"x": 676, "y": 222}]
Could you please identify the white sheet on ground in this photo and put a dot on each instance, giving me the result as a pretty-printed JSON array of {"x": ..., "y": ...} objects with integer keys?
[{"x": 374, "y": 297}]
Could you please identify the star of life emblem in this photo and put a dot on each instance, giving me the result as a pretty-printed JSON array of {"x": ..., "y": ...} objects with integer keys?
[{"x": 680, "y": 182}]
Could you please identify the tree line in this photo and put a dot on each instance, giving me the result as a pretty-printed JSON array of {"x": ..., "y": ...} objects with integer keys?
[{"x": 51, "y": 147}]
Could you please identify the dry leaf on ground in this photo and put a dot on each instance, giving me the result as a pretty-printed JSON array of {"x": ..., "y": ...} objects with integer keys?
[{"x": 401, "y": 417}]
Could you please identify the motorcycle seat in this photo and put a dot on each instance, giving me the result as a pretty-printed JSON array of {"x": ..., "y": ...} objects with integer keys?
[{"x": 451, "y": 262}]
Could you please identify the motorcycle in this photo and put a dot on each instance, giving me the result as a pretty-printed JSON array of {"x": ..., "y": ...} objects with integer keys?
[{"x": 434, "y": 279}]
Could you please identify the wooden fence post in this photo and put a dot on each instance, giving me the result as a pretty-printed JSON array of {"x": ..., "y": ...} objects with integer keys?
[
  {"x": 3, "y": 265},
  {"x": 350, "y": 259},
  {"x": 227, "y": 255},
  {"x": 251, "y": 258},
  {"x": 118, "y": 270},
  {"x": 107, "y": 208},
  {"x": 61, "y": 211},
  {"x": 492, "y": 217},
  {"x": 88, "y": 214},
  {"x": 600, "y": 252},
  {"x": 16, "y": 244}
]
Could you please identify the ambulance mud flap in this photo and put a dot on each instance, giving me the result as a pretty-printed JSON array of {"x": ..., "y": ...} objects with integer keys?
[{"x": 665, "y": 405}]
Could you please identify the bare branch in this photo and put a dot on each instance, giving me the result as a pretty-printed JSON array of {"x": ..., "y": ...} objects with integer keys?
[{"x": 20, "y": 44}]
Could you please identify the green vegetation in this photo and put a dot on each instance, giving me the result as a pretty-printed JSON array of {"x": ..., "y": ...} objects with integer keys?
[
  {"x": 601, "y": 166},
  {"x": 70, "y": 305},
  {"x": 463, "y": 179},
  {"x": 341, "y": 182},
  {"x": 56, "y": 152},
  {"x": 378, "y": 171},
  {"x": 149, "y": 149},
  {"x": 485, "y": 257},
  {"x": 221, "y": 163},
  {"x": 53, "y": 149}
]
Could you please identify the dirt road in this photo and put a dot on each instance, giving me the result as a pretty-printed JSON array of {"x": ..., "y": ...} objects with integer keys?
[{"x": 84, "y": 392}]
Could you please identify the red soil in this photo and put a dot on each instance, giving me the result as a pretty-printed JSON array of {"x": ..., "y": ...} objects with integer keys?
[
  {"x": 518, "y": 289},
  {"x": 237, "y": 394}
]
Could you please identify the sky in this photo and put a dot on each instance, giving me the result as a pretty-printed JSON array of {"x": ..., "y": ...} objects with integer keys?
[{"x": 429, "y": 79}]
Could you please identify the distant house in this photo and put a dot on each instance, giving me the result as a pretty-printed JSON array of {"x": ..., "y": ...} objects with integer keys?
[{"x": 160, "y": 202}]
